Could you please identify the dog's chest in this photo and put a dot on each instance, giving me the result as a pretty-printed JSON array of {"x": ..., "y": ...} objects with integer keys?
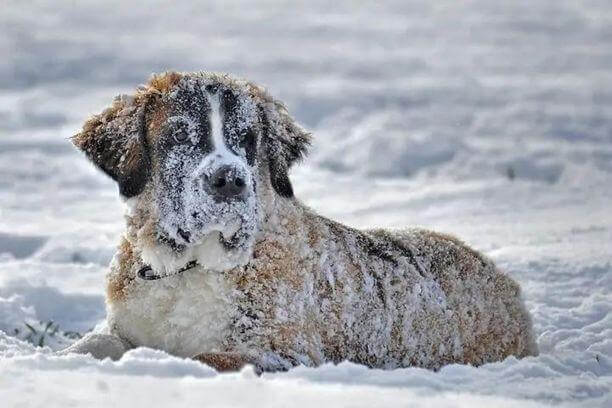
[{"x": 184, "y": 315}]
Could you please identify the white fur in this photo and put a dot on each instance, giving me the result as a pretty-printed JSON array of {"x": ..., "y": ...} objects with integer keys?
[
  {"x": 182, "y": 315},
  {"x": 221, "y": 151},
  {"x": 216, "y": 124}
]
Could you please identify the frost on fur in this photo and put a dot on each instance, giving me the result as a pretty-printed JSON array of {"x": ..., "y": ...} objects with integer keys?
[{"x": 277, "y": 285}]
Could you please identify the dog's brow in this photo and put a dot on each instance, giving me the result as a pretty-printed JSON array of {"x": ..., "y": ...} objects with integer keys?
[{"x": 179, "y": 118}]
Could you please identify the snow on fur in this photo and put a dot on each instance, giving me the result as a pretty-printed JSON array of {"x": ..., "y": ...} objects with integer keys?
[{"x": 303, "y": 290}]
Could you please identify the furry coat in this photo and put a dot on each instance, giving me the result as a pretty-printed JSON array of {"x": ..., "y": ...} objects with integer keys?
[{"x": 300, "y": 288}]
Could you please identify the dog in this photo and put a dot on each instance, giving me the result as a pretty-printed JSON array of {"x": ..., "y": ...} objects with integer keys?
[{"x": 221, "y": 263}]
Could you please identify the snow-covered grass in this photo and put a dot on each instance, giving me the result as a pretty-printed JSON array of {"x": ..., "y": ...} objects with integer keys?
[{"x": 490, "y": 120}]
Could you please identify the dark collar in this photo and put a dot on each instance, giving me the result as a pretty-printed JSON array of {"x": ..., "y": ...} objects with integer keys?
[{"x": 147, "y": 273}]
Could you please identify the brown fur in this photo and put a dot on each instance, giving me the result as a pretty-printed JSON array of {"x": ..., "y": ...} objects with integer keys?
[
  {"x": 164, "y": 82},
  {"x": 223, "y": 362},
  {"x": 116, "y": 284},
  {"x": 484, "y": 338}
]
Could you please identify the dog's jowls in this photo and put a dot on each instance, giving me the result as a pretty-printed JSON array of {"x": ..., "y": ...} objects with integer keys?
[{"x": 202, "y": 161}]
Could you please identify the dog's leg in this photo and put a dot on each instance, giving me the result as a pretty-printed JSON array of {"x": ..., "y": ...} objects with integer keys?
[
  {"x": 100, "y": 346},
  {"x": 224, "y": 362}
]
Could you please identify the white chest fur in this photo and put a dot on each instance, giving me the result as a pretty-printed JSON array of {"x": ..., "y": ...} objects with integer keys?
[{"x": 184, "y": 315}]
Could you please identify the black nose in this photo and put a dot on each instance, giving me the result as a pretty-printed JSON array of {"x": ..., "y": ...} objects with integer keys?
[{"x": 227, "y": 183}]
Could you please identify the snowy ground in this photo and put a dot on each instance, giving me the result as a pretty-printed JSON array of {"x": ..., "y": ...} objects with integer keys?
[{"x": 491, "y": 120}]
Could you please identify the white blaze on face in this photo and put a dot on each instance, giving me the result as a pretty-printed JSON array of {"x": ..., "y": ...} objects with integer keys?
[
  {"x": 216, "y": 124},
  {"x": 220, "y": 154}
]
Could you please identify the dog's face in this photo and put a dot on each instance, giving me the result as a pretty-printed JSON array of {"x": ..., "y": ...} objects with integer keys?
[
  {"x": 197, "y": 146},
  {"x": 203, "y": 142}
]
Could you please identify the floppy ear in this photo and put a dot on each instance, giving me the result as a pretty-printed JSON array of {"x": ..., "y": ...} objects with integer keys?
[
  {"x": 285, "y": 142},
  {"x": 115, "y": 142}
]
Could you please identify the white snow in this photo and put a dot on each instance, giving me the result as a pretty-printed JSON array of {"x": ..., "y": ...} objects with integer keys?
[{"x": 488, "y": 120}]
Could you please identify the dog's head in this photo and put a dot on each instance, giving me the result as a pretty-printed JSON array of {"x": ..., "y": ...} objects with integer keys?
[{"x": 199, "y": 151}]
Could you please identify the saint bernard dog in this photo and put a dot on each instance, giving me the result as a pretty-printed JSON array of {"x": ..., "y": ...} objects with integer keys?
[{"x": 220, "y": 262}]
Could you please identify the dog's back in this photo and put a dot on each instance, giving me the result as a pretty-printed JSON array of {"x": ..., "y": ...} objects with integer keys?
[
  {"x": 482, "y": 316},
  {"x": 319, "y": 291}
]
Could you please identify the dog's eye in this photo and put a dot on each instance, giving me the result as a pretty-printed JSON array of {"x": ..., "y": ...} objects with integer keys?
[
  {"x": 248, "y": 142},
  {"x": 247, "y": 139},
  {"x": 180, "y": 132},
  {"x": 181, "y": 136}
]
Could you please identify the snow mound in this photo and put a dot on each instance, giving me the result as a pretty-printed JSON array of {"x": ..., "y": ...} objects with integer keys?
[{"x": 546, "y": 380}]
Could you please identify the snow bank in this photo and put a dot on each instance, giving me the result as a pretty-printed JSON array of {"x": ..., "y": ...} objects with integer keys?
[
  {"x": 150, "y": 376},
  {"x": 134, "y": 382}
]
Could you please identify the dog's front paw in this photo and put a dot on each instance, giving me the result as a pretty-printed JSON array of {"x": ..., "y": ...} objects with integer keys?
[
  {"x": 224, "y": 362},
  {"x": 100, "y": 346}
]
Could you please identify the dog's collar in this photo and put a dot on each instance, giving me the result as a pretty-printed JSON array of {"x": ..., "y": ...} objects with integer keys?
[{"x": 147, "y": 273}]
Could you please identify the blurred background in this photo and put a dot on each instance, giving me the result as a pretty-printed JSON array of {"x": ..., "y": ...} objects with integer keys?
[{"x": 491, "y": 120}]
